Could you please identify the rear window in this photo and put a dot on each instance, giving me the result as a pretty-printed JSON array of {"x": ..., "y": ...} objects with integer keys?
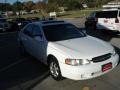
[{"x": 107, "y": 14}]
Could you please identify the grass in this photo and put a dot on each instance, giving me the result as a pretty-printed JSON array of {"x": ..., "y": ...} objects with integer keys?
[
  {"x": 77, "y": 13},
  {"x": 73, "y": 14},
  {"x": 27, "y": 15},
  {"x": 67, "y": 14},
  {"x": 32, "y": 15}
]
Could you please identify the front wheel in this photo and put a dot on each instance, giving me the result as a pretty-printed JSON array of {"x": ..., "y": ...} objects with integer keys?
[{"x": 55, "y": 69}]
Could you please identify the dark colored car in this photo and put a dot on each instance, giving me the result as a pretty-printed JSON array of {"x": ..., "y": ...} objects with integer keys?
[
  {"x": 13, "y": 26},
  {"x": 47, "y": 18},
  {"x": 19, "y": 21},
  {"x": 33, "y": 19},
  {"x": 25, "y": 23},
  {"x": 91, "y": 20},
  {"x": 4, "y": 25}
]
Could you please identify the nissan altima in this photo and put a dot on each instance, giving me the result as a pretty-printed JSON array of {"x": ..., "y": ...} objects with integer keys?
[{"x": 67, "y": 51}]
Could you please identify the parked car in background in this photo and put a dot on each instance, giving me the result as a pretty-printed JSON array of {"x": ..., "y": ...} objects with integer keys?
[
  {"x": 67, "y": 51},
  {"x": 33, "y": 19},
  {"x": 29, "y": 20},
  {"x": 91, "y": 21},
  {"x": 19, "y": 21},
  {"x": 48, "y": 18},
  {"x": 4, "y": 25},
  {"x": 23, "y": 24},
  {"x": 1, "y": 16},
  {"x": 13, "y": 26},
  {"x": 107, "y": 19}
]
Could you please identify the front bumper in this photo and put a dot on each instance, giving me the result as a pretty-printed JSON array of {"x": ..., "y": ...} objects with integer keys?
[{"x": 87, "y": 71}]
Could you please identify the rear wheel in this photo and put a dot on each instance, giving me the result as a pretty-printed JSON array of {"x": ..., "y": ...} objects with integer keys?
[{"x": 55, "y": 69}]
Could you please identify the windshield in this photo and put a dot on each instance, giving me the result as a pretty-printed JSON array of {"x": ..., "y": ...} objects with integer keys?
[
  {"x": 61, "y": 32},
  {"x": 107, "y": 14}
]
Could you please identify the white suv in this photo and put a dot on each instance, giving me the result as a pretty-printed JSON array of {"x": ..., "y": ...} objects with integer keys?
[
  {"x": 107, "y": 19},
  {"x": 67, "y": 51}
]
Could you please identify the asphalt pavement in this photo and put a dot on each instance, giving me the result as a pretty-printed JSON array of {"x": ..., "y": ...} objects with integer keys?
[{"x": 18, "y": 72}]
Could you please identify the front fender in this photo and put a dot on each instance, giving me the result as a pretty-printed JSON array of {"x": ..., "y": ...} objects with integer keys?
[{"x": 60, "y": 56}]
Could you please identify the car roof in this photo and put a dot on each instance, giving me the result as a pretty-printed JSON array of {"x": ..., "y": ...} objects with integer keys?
[
  {"x": 50, "y": 22},
  {"x": 100, "y": 11}
]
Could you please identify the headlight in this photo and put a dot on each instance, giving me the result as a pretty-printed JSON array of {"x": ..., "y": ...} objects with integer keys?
[
  {"x": 77, "y": 62},
  {"x": 114, "y": 53}
]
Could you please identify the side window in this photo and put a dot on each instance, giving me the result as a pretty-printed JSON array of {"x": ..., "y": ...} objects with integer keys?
[
  {"x": 28, "y": 30},
  {"x": 92, "y": 15},
  {"x": 37, "y": 32}
]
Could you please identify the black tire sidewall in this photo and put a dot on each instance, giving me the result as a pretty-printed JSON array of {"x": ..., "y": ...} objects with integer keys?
[{"x": 59, "y": 77}]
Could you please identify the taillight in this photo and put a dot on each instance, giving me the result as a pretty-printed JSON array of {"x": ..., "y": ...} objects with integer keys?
[{"x": 116, "y": 20}]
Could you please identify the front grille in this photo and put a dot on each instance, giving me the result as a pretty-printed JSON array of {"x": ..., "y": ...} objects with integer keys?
[{"x": 101, "y": 58}]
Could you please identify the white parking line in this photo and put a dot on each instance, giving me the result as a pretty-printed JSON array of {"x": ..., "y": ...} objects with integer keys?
[{"x": 13, "y": 64}]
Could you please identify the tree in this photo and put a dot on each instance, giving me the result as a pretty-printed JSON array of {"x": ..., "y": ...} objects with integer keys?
[
  {"x": 28, "y": 6},
  {"x": 51, "y": 7},
  {"x": 77, "y": 4},
  {"x": 74, "y": 4},
  {"x": 5, "y": 7},
  {"x": 17, "y": 6},
  {"x": 40, "y": 5}
]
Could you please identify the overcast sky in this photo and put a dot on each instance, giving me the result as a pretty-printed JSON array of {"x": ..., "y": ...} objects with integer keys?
[{"x": 12, "y": 1}]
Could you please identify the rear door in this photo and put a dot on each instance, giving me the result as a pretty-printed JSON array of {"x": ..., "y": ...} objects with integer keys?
[
  {"x": 26, "y": 38},
  {"x": 35, "y": 42},
  {"x": 39, "y": 43},
  {"x": 107, "y": 19}
]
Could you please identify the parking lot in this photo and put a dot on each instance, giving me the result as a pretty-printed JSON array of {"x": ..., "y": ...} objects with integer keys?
[{"x": 19, "y": 72}]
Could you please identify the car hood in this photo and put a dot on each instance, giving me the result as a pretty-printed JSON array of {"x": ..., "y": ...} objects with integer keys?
[{"x": 85, "y": 47}]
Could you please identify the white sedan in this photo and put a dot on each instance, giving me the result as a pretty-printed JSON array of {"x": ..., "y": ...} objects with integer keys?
[{"x": 67, "y": 51}]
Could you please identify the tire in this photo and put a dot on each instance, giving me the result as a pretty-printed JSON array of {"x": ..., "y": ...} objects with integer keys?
[{"x": 54, "y": 68}]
